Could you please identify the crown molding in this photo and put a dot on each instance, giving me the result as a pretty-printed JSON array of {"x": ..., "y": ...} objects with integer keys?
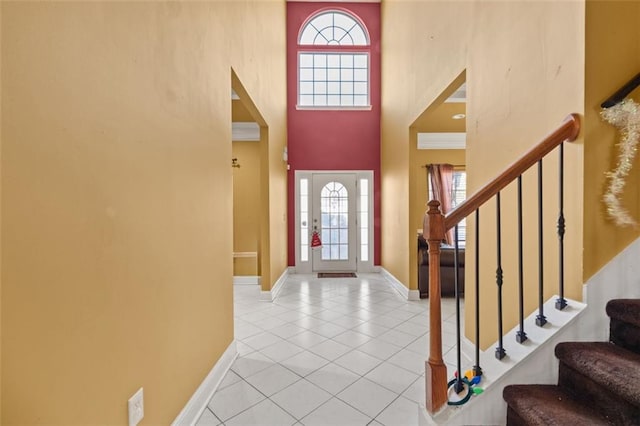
[
  {"x": 334, "y": 1},
  {"x": 442, "y": 140},
  {"x": 245, "y": 131}
]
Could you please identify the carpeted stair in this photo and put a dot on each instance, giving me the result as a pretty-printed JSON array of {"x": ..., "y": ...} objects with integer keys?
[{"x": 598, "y": 382}]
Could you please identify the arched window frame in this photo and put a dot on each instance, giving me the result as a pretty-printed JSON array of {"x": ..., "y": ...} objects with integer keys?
[{"x": 317, "y": 87}]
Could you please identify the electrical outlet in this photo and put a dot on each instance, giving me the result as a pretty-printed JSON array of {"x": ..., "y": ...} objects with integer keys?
[{"x": 136, "y": 408}]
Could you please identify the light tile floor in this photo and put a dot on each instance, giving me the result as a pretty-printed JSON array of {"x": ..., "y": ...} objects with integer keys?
[{"x": 328, "y": 352}]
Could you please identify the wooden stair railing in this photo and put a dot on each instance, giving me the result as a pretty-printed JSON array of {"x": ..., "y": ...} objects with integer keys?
[{"x": 434, "y": 227}]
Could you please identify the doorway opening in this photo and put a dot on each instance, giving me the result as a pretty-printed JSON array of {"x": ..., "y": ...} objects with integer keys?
[
  {"x": 437, "y": 137},
  {"x": 334, "y": 221},
  {"x": 250, "y": 188}
]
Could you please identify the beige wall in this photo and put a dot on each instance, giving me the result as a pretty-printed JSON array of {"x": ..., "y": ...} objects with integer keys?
[
  {"x": 524, "y": 72},
  {"x": 246, "y": 206},
  {"x": 117, "y": 198},
  {"x": 612, "y": 58}
]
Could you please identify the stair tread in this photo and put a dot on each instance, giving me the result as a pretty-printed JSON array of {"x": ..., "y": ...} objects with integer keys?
[
  {"x": 610, "y": 366},
  {"x": 627, "y": 310},
  {"x": 549, "y": 405}
]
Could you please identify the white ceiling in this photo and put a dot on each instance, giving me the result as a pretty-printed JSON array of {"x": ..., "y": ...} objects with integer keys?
[{"x": 459, "y": 95}]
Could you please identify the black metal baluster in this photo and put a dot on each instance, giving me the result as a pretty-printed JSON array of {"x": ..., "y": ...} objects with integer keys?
[
  {"x": 521, "y": 336},
  {"x": 541, "y": 320},
  {"x": 459, "y": 386},
  {"x": 561, "y": 302},
  {"x": 477, "y": 371},
  {"x": 500, "y": 352}
]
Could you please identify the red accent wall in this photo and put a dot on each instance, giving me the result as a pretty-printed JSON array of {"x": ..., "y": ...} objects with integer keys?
[{"x": 333, "y": 139}]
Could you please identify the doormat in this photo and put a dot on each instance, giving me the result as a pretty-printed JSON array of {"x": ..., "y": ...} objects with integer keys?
[{"x": 337, "y": 275}]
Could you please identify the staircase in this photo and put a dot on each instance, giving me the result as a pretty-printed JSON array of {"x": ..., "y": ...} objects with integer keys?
[{"x": 598, "y": 382}]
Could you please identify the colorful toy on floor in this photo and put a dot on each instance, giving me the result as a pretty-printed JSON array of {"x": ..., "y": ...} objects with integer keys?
[{"x": 469, "y": 382}]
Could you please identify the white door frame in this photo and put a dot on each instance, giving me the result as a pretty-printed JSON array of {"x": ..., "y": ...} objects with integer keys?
[{"x": 364, "y": 219}]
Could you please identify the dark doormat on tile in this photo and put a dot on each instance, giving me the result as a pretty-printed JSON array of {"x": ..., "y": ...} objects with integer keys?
[{"x": 337, "y": 275}]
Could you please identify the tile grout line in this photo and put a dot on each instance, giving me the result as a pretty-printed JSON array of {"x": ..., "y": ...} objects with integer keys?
[{"x": 335, "y": 304}]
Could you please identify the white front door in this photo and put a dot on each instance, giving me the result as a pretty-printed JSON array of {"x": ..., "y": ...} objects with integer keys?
[
  {"x": 338, "y": 205},
  {"x": 334, "y": 219}
]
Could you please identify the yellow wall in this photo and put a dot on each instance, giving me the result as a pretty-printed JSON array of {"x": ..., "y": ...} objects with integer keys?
[
  {"x": 1, "y": 134},
  {"x": 117, "y": 198},
  {"x": 525, "y": 74},
  {"x": 246, "y": 206},
  {"x": 422, "y": 55},
  {"x": 239, "y": 112},
  {"x": 612, "y": 58},
  {"x": 524, "y": 71}
]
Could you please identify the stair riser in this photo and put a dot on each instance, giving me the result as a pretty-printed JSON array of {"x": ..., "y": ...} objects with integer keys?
[
  {"x": 513, "y": 419},
  {"x": 625, "y": 335},
  {"x": 626, "y": 310},
  {"x": 618, "y": 411}
]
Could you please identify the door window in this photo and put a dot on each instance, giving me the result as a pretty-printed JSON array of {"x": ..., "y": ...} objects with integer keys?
[{"x": 334, "y": 216}]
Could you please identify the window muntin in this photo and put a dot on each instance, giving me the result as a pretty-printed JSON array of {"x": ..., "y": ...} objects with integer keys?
[
  {"x": 334, "y": 217},
  {"x": 304, "y": 220},
  {"x": 333, "y": 28},
  {"x": 333, "y": 79},
  {"x": 363, "y": 219},
  {"x": 330, "y": 75},
  {"x": 458, "y": 195}
]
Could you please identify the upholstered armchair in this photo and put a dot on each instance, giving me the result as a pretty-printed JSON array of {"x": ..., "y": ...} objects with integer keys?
[{"x": 447, "y": 269}]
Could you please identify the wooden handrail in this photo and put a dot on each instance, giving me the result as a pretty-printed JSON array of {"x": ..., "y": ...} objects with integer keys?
[
  {"x": 622, "y": 93},
  {"x": 568, "y": 131},
  {"x": 434, "y": 227}
]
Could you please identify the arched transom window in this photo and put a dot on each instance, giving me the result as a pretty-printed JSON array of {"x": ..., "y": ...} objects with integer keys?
[{"x": 333, "y": 62}]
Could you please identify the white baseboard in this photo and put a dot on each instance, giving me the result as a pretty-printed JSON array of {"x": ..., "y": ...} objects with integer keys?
[
  {"x": 199, "y": 400},
  {"x": 270, "y": 296},
  {"x": 246, "y": 280},
  {"x": 399, "y": 287}
]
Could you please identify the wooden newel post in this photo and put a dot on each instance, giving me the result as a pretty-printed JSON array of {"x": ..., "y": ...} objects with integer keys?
[{"x": 435, "y": 369}]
